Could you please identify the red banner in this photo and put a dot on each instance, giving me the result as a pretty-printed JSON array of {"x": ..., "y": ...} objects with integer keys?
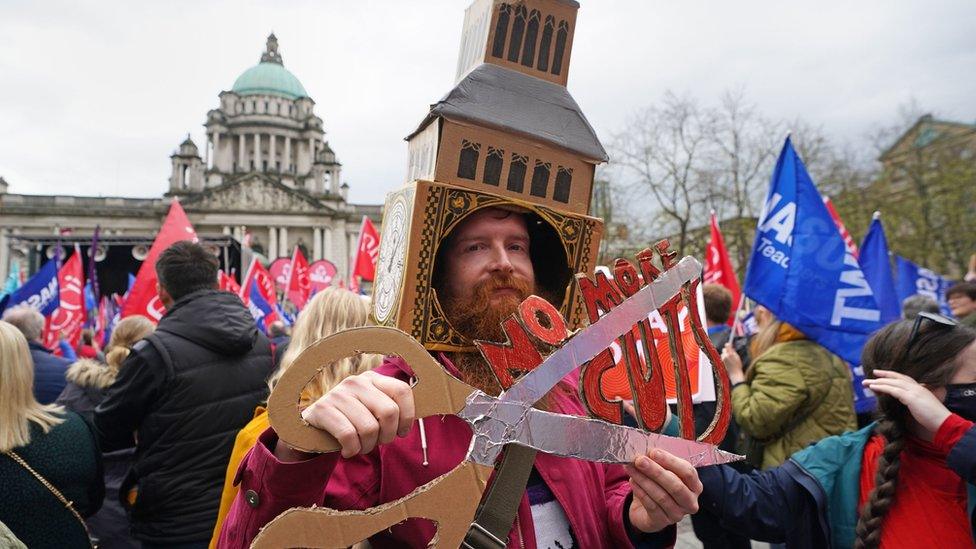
[
  {"x": 280, "y": 269},
  {"x": 227, "y": 283},
  {"x": 299, "y": 285},
  {"x": 366, "y": 251},
  {"x": 844, "y": 233},
  {"x": 322, "y": 274},
  {"x": 718, "y": 267},
  {"x": 143, "y": 298},
  {"x": 66, "y": 322}
]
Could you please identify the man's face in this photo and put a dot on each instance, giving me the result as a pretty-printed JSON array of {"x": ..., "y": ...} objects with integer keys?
[
  {"x": 962, "y": 305},
  {"x": 492, "y": 243}
]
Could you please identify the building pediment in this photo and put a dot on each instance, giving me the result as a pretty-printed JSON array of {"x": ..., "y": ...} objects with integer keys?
[{"x": 254, "y": 193}]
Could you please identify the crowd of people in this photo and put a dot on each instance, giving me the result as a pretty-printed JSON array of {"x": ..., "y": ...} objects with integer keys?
[{"x": 161, "y": 439}]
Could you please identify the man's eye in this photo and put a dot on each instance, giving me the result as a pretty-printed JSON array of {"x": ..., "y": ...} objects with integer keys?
[
  {"x": 517, "y": 247},
  {"x": 474, "y": 247}
]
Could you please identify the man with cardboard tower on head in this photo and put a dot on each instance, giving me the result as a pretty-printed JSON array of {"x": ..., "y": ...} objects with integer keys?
[{"x": 494, "y": 210}]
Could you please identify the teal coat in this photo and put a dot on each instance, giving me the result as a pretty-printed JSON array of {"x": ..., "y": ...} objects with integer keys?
[{"x": 811, "y": 500}]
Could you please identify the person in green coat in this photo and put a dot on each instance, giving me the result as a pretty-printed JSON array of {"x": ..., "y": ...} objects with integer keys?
[
  {"x": 46, "y": 441},
  {"x": 794, "y": 393}
]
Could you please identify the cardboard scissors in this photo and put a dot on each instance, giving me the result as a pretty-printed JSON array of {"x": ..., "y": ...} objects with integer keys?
[{"x": 495, "y": 422}]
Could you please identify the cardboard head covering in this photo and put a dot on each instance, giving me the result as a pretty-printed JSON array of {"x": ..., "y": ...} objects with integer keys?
[{"x": 508, "y": 135}]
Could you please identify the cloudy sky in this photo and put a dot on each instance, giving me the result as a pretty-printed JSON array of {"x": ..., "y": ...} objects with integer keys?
[{"x": 95, "y": 96}]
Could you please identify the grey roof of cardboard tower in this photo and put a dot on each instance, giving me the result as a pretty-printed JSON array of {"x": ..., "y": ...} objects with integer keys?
[{"x": 511, "y": 101}]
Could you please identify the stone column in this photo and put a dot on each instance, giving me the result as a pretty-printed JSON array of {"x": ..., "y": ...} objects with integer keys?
[
  {"x": 272, "y": 243},
  {"x": 237, "y": 233},
  {"x": 283, "y": 248},
  {"x": 327, "y": 239},
  {"x": 216, "y": 151},
  {"x": 226, "y": 229},
  {"x": 206, "y": 152},
  {"x": 316, "y": 243},
  {"x": 257, "y": 152},
  {"x": 242, "y": 152},
  {"x": 271, "y": 153},
  {"x": 287, "y": 162}
]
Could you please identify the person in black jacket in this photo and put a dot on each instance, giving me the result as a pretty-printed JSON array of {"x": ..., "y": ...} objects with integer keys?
[
  {"x": 49, "y": 369},
  {"x": 184, "y": 391}
]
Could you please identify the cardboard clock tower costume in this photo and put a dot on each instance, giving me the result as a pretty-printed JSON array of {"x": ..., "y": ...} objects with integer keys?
[{"x": 508, "y": 135}]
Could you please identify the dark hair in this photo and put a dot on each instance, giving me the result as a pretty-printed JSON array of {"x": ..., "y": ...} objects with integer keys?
[
  {"x": 277, "y": 329},
  {"x": 967, "y": 289},
  {"x": 912, "y": 305},
  {"x": 718, "y": 303},
  {"x": 186, "y": 267},
  {"x": 929, "y": 359}
]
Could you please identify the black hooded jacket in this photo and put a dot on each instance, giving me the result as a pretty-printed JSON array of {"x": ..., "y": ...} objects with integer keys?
[{"x": 185, "y": 392}]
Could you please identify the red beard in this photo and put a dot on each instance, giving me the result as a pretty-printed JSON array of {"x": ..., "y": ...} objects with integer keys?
[{"x": 479, "y": 316}]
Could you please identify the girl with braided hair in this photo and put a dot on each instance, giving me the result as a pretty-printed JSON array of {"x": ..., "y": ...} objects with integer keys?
[{"x": 906, "y": 480}]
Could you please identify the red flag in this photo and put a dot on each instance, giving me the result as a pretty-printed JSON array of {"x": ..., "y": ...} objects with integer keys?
[
  {"x": 69, "y": 318},
  {"x": 227, "y": 283},
  {"x": 718, "y": 267},
  {"x": 143, "y": 298},
  {"x": 299, "y": 284},
  {"x": 844, "y": 233},
  {"x": 367, "y": 251},
  {"x": 257, "y": 273}
]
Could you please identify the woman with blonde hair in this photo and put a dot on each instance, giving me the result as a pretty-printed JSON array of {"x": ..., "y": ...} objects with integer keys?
[
  {"x": 50, "y": 468},
  {"x": 88, "y": 380},
  {"x": 329, "y": 311}
]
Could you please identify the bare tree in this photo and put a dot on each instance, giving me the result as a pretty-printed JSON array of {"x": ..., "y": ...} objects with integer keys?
[{"x": 661, "y": 159}]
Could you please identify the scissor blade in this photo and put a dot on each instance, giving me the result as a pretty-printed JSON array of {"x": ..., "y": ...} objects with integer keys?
[
  {"x": 497, "y": 423},
  {"x": 601, "y": 334}
]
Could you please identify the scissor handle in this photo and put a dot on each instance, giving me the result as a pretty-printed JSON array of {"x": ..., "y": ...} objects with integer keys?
[
  {"x": 435, "y": 393},
  {"x": 450, "y": 501}
]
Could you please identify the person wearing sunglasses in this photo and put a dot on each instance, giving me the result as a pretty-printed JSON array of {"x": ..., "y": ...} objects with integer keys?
[{"x": 906, "y": 480}]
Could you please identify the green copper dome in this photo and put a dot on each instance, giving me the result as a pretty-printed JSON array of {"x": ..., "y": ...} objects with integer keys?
[{"x": 269, "y": 78}]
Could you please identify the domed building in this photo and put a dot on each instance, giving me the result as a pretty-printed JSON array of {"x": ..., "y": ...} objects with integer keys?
[{"x": 264, "y": 182}]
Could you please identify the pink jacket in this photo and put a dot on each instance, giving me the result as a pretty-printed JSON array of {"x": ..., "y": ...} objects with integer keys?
[{"x": 594, "y": 496}]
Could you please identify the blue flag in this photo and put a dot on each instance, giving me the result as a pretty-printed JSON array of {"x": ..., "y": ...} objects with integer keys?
[
  {"x": 261, "y": 310},
  {"x": 801, "y": 270},
  {"x": 913, "y": 280},
  {"x": 876, "y": 264},
  {"x": 41, "y": 292}
]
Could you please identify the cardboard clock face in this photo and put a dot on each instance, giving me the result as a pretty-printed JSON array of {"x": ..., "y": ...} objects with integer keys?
[{"x": 391, "y": 262}]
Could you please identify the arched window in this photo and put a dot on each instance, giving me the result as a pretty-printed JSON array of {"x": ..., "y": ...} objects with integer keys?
[
  {"x": 468, "y": 161},
  {"x": 540, "y": 179},
  {"x": 501, "y": 31},
  {"x": 518, "y": 28},
  {"x": 564, "y": 180},
  {"x": 557, "y": 58},
  {"x": 528, "y": 51},
  {"x": 493, "y": 166},
  {"x": 516, "y": 172},
  {"x": 545, "y": 44}
]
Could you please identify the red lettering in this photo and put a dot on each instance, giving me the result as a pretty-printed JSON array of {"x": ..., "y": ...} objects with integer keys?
[
  {"x": 625, "y": 275},
  {"x": 591, "y": 391},
  {"x": 715, "y": 432},
  {"x": 599, "y": 294},
  {"x": 650, "y": 272},
  {"x": 510, "y": 360},
  {"x": 542, "y": 320}
]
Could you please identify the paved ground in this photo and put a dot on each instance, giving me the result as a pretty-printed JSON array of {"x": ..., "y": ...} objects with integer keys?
[{"x": 687, "y": 539}]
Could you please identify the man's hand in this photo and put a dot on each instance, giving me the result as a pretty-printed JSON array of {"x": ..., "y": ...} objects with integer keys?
[
  {"x": 733, "y": 363},
  {"x": 360, "y": 412},
  {"x": 665, "y": 487}
]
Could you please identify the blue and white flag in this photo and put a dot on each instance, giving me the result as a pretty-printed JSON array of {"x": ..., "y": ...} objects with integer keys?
[
  {"x": 913, "y": 280},
  {"x": 876, "y": 264},
  {"x": 40, "y": 292},
  {"x": 262, "y": 311},
  {"x": 801, "y": 270}
]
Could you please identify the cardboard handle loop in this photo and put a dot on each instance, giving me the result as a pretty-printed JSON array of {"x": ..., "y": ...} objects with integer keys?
[
  {"x": 435, "y": 393},
  {"x": 449, "y": 500}
]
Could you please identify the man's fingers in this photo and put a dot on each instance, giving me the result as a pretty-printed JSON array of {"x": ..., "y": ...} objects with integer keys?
[
  {"x": 367, "y": 427},
  {"x": 665, "y": 488},
  {"x": 329, "y": 419},
  {"x": 654, "y": 511},
  {"x": 684, "y": 470},
  {"x": 401, "y": 395}
]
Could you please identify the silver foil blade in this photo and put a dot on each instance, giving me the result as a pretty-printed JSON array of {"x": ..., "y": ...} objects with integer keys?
[
  {"x": 497, "y": 423},
  {"x": 592, "y": 340}
]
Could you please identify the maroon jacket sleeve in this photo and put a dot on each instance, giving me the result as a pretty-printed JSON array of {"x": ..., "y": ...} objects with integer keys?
[{"x": 268, "y": 487}]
